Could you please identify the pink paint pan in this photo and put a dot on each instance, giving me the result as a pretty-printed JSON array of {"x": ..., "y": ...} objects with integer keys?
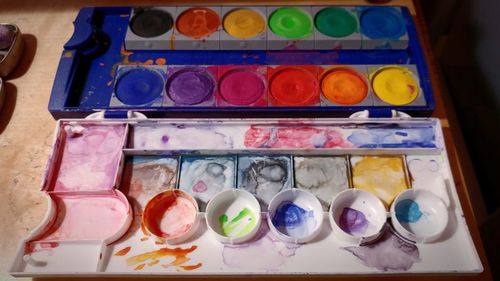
[{"x": 242, "y": 86}]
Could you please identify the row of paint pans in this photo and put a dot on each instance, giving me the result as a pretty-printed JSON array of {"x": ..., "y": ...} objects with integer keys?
[
  {"x": 266, "y": 86},
  {"x": 266, "y": 27}
]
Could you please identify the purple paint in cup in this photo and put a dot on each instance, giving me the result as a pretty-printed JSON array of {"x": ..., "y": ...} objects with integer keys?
[{"x": 190, "y": 85}]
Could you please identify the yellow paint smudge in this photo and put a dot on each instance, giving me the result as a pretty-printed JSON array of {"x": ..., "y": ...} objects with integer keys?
[
  {"x": 383, "y": 176},
  {"x": 179, "y": 255},
  {"x": 140, "y": 266}
]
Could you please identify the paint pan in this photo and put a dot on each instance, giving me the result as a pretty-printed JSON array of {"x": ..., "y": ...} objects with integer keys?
[
  {"x": 242, "y": 86},
  {"x": 139, "y": 86},
  {"x": 244, "y": 28},
  {"x": 204, "y": 177},
  {"x": 395, "y": 85},
  {"x": 264, "y": 176},
  {"x": 295, "y": 216},
  {"x": 383, "y": 28},
  {"x": 324, "y": 177},
  {"x": 11, "y": 47},
  {"x": 357, "y": 216},
  {"x": 233, "y": 216},
  {"x": 171, "y": 216},
  {"x": 336, "y": 28},
  {"x": 191, "y": 85},
  {"x": 197, "y": 28},
  {"x": 150, "y": 28},
  {"x": 384, "y": 176},
  {"x": 290, "y": 28},
  {"x": 344, "y": 86},
  {"x": 419, "y": 215},
  {"x": 293, "y": 85}
]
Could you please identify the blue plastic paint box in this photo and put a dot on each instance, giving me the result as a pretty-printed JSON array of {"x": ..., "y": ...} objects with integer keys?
[{"x": 144, "y": 59}]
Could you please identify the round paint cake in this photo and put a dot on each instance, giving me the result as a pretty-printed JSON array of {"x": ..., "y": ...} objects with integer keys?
[
  {"x": 293, "y": 86},
  {"x": 151, "y": 23},
  {"x": 190, "y": 86},
  {"x": 395, "y": 85},
  {"x": 241, "y": 86},
  {"x": 336, "y": 22},
  {"x": 382, "y": 23},
  {"x": 139, "y": 86},
  {"x": 244, "y": 23},
  {"x": 290, "y": 22},
  {"x": 198, "y": 22},
  {"x": 344, "y": 86}
]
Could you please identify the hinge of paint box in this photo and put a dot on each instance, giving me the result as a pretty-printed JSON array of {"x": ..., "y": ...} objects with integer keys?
[
  {"x": 115, "y": 114},
  {"x": 380, "y": 113}
]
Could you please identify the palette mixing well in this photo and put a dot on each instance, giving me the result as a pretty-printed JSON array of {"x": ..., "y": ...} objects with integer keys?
[{"x": 105, "y": 176}]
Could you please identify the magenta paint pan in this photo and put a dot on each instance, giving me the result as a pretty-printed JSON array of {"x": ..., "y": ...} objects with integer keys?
[
  {"x": 242, "y": 86},
  {"x": 191, "y": 86},
  {"x": 171, "y": 216},
  {"x": 87, "y": 157}
]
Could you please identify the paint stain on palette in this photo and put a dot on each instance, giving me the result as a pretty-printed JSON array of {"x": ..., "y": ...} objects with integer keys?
[
  {"x": 264, "y": 176},
  {"x": 388, "y": 253},
  {"x": 243, "y": 256},
  {"x": 384, "y": 176},
  {"x": 90, "y": 157},
  {"x": 324, "y": 177},
  {"x": 146, "y": 176},
  {"x": 203, "y": 177},
  {"x": 294, "y": 221}
]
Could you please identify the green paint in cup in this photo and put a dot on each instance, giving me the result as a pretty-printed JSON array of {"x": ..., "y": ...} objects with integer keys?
[
  {"x": 336, "y": 22},
  {"x": 291, "y": 23}
]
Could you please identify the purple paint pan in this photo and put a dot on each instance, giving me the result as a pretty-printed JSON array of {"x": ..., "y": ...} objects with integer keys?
[{"x": 191, "y": 85}]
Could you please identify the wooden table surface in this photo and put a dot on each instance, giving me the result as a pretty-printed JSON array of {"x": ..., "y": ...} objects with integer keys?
[{"x": 26, "y": 127}]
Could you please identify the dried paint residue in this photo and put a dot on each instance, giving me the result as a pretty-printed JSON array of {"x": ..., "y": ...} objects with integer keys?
[
  {"x": 250, "y": 255},
  {"x": 294, "y": 221},
  {"x": 383, "y": 176},
  {"x": 87, "y": 218},
  {"x": 203, "y": 177},
  {"x": 179, "y": 255},
  {"x": 389, "y": 253},
  {"x": 264, "y": 176},
  {"x": 240, "y": 225},
  {"x": 324, "y": 177},
  {"x": 294, "y": 137},
  {"x": 146, "y": 176},
  {"x": 123, "y": 251},
  {"x": 90, "y": 158},
  {"x": 170, "y": 214}
]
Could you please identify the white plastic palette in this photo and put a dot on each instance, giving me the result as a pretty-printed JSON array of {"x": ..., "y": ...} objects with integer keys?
[{"x": 81, "y": 145}]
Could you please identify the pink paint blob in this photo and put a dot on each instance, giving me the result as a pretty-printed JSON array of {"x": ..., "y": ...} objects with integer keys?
[
  {"x": 294, "y": 137},
  {"x": 90, "y": 157},
  {"x": 200, "y": 186},
  {"x": 170, "y": 214},
  {"x": 87, "y": 217},
  {"x": 241, "y": 86}
]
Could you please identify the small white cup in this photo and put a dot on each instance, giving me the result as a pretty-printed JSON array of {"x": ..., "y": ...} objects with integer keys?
[
  {"x": 419, "y": 215},
  {"x": 295, "y": 216},
  {"x": 233, "y": 216},
  {"x": 366, "y": 212}
]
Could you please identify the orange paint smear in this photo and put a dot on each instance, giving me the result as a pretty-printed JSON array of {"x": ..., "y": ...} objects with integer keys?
[
  {"x": 148, "y": 62},
  {"x": 179, "y": 255},
  {"x": 344, "y": 86},
  {"x": 191, "y": 267},
  {"x": 161, "y": 61},
  {"x": 198, "y": 22},
  {"x": 140, "y": 266},
  {"x": 123, "y": 251},
  {"x": 294, "y": 86},
  {"x": 144, "y": 238},
  {"x": 153, "y": 262}
]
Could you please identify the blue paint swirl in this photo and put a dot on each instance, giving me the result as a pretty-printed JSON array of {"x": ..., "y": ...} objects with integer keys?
[
  {"x": 382, "y": 23},
  {"x": 293, "y": 221},
  {"x": 408, "y": 211},
  {"x": 393, "y": 138}
]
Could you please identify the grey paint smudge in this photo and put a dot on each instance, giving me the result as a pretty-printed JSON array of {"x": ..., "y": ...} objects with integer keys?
[
  {"x": 324, "y": 177},
  {"x": 265, "y": 252},
  {"x": 388, "y": 253}
]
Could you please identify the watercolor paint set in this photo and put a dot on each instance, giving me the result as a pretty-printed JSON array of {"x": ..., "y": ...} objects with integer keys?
[
  {"x": 182, "y": 197},
  {"x": 137, "y": 58}
]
